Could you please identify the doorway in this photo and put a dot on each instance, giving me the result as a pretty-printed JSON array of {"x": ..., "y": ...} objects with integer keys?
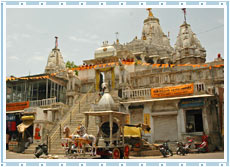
[
  {"x": 105, "y": 75},
  {"x": 102, "y": 78},
  {"x": 194, "y": 121}
]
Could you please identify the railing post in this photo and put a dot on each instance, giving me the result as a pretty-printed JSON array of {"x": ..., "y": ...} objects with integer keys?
[
  {"x": 47, "y": 141},
  {"x": 49, "y": 148},
  {"x": 60, "y": 131},
  {"x": 79, "y": 107},
  {"x": 70, "y": 117}
]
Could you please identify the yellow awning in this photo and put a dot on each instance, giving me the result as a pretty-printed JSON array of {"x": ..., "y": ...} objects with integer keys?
[
  {"x": 132, "y": 131},
  {"x": 25, "y": 124}
]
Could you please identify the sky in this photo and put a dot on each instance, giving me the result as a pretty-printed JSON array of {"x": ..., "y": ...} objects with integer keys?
[{"x": 30, "y": 32}]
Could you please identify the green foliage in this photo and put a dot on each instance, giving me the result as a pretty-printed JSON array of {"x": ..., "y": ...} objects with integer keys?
[{"x": 71, "y": 65}]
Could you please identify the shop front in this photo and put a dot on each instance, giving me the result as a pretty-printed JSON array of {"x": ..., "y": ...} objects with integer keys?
[
  {"x": 18, "y": 126},
  {"x": 200, "y": 115},
  {"x": 193, "y": 109},
  {"x": 12, "y": 135}
]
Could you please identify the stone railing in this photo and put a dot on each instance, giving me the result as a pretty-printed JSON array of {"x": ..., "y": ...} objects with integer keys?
[
  {"x": 136, "y": 93},
  {"x": 199, "y": 88},
  {"x": 43, "y": 102},
  {"x": 73, "y": 111}
]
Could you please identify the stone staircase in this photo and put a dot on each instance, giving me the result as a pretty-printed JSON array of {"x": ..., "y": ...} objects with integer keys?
[
  {"x": 72, "y": 119},
  {"x": 77, "y": 117}
]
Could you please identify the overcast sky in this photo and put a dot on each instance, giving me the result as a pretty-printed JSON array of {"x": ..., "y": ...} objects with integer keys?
[{"x": 30, "y": 32}]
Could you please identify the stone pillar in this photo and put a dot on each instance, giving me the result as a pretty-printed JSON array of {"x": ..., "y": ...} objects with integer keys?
[
  {"x": 49, "y": 116},
  {"x": 86, "y": 123},
  {"x": 147, "y": 110},
  {"x": 111, "y": 129},
  {"x": 180, "y": 123},
  {"x": 183, "y": 117},
  {"x": 73, "y": 84},
  {"x": 205, "y": 118},
  {"x": 126, "y": 108}
]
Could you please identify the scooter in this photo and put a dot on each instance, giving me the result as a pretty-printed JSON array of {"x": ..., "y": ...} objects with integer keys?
[
  {"x": 164, "y": 149},
  {"x": 203, "y": 147},
  {"x": 180, "y": 149},
  {"x": 40, "y": 149},
  {"x": 189, "y": 146}
]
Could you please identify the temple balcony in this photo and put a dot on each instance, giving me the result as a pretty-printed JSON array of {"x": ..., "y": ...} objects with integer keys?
[{"x": 145, "y": 93}]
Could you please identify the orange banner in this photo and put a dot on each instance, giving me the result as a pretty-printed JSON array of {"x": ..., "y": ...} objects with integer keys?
[
  {"x": 172, "y": 91},
  {"x": 17, "y": 106}
]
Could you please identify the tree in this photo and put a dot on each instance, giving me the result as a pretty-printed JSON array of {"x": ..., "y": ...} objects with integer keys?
[{"x": 71, "y": 65}]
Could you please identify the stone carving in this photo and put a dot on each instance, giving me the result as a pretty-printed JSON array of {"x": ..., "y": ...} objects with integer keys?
[{"x": 124, "y": 76}]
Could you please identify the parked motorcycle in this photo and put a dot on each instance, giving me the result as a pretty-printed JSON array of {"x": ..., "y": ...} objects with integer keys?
[
  {"x": 189, "y": 145},
  {"x": 164, "y": 149},
  {"x": 40, "y": 149},
  {"x": 203, "y": 147},
  {"x": 180, "y": 149}
]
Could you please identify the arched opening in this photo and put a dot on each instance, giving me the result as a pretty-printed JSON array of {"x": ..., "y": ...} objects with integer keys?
[{"x": 102, "y": 79}]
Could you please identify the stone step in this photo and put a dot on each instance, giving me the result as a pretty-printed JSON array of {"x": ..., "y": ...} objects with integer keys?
[
  {"x": 57, "y": 151},
  {"x": 76, "y": 118}
]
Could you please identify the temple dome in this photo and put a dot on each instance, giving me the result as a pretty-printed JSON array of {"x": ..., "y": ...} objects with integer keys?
[
  {"x": 106, "y": 100},
  {"x": 105, "y": 51}
]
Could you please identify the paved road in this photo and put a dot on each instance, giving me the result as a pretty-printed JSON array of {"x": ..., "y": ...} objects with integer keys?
[{"x": 213, "y": 155}]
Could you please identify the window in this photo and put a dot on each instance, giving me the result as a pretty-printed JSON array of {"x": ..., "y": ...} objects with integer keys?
[
  {"x": 194, "y": 121},
  {"x": 200, "y": 87}
]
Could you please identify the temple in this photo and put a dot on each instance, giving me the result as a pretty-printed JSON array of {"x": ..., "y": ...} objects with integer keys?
[{"x": 172, "y": 89}]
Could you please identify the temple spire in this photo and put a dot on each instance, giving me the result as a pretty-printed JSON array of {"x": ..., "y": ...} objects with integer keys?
[
  {"x": 150, "y": 12},
  {"x": 56, "y": 42}
]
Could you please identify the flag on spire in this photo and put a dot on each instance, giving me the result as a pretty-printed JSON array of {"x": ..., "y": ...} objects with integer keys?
[
  {"x": 56, "y": 42},
  {"x": 184, "y": 10}
]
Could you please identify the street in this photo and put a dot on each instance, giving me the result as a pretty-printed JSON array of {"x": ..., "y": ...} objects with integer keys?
[{"x": 211, "y": 155}]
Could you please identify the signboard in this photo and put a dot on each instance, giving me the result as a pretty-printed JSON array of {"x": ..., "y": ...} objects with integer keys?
[
  {"x": 147, "y": 120},
  {"x": 172, "y": 91},
  {"x": 17, "y": 106},
  {"x": 194, "y": 102}
]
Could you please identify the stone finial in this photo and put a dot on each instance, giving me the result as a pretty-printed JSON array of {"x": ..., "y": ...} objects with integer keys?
[{"x": 150, "y": 12}]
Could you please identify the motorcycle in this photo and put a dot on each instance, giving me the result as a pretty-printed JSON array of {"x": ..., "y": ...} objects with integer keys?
[
  {"x": 164, "y": 149},
  {"x": 40, "y": 149},
  {"x": 180, "y": 149},
  {"x": 189, "y": 145},
  {"x": 203, "y": 147}
]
